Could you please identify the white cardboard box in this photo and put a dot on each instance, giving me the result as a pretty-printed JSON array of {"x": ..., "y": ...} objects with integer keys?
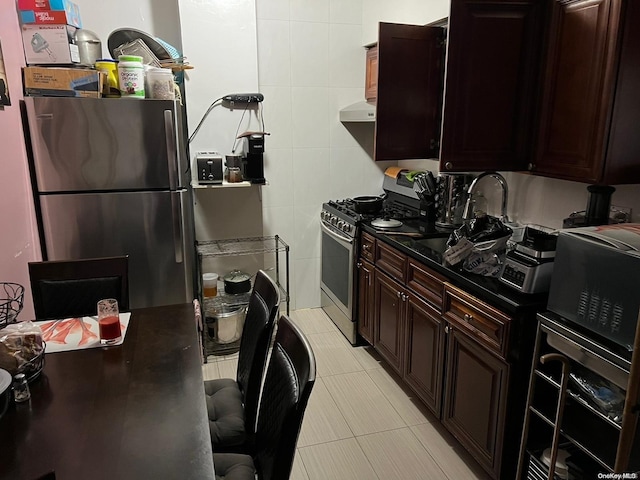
[{"x": 49, "y": 44}]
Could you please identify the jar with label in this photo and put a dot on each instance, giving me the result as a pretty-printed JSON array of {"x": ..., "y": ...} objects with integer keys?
[
  {"x": 110, "y": 69},
  {"x": 160, "y": 84},
  {"x": 131, "y": 76}
]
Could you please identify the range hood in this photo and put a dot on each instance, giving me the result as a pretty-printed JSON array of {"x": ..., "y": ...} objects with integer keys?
[{"x": 359, "y": 112}]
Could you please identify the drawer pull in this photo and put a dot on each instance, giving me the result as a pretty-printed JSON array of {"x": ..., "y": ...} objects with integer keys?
[{"x": 468, "y": 317}]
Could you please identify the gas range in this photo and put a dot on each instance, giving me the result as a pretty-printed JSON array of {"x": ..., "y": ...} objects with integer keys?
[
  {"x": 340, "y": 226},
  {"x": 342, "y": 214}
]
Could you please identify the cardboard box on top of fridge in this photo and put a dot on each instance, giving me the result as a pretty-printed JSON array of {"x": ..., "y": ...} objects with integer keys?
[
  {"x": 49, "y": 12},
  {"x": 49, "y": 44},
  {"x": 63, "y": 82}
]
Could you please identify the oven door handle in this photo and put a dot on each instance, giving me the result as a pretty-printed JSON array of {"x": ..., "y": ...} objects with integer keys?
[{"x": 336, "y": 235}]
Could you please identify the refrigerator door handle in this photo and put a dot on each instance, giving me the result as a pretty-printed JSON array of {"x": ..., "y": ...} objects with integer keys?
[
  {"x": 172, "y": 151},
  {"x": 176, "y": 218}
]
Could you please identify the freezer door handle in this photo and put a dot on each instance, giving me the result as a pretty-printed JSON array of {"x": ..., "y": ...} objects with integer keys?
[
  {"x": 172, "y": 151},
  {"x": 176, "y": 217}
]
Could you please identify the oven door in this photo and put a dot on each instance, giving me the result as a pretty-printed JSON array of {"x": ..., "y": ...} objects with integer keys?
[{"x": 337, "y": 269}]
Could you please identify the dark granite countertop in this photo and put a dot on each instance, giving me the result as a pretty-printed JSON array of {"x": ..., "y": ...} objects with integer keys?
[{"x": 429, "y": 250}]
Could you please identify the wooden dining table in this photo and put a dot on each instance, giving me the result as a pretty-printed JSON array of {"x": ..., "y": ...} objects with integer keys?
[{"x": 132, "y": 411}]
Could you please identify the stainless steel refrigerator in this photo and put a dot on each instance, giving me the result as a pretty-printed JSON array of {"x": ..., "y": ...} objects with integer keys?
[{"x": 112, "y": 177}]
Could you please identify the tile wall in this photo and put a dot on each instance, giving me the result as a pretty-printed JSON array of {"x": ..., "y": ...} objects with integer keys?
[{"x": 311, "y": 63}]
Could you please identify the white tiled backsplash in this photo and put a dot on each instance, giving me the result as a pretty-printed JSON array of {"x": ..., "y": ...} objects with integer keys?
[{"x": 311, "y": 64}]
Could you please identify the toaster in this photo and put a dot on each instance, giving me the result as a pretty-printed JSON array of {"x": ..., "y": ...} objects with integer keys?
[{"x": 209, "y": 166}]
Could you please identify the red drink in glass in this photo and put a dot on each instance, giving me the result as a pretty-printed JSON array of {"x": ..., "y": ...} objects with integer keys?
[
  {"x": 109, "y": 321},
  {"x": 110, "y": 328}
]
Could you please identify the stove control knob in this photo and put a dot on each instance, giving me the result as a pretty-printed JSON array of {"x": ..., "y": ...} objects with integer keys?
[
  {"x": 340, "y": 225},
  {"x": 348, "y": 228},
  {"x": 333, "y": 220}
]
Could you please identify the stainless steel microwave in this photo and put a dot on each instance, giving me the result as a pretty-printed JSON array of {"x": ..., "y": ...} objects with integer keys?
[{"x": 596, "y": 280}]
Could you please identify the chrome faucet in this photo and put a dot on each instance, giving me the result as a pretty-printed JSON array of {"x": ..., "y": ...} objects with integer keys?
[{"x": 505, "y": 194}]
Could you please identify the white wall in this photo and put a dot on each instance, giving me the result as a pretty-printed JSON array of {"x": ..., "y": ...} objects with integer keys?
[
  {"x": 158, "y": 18},
  {"x": 413, "y": 12},
  {"x": 311, "y": 63},
  {"x": 219, "y": 39}
]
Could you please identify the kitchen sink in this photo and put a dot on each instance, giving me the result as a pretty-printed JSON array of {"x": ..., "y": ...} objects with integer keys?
[{"x": 437, "y": 244}]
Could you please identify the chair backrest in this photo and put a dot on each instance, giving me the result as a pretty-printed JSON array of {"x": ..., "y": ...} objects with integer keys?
[
  {"x": 262, "y": 312},
  {"x": 287, "y": 386},
  {"x": 72, "y": 288}
]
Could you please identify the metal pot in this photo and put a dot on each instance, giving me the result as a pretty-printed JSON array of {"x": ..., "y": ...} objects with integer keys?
[
  {"x": 227, "y": 324},
  {"x": 368, "y": 204},
  {"x": 236, "y": 282}
]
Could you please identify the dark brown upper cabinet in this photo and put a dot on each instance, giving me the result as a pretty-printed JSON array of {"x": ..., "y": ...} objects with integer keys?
[
  {"x": 410, "y": 61},
  {"x": 548, "y": 86},
  {"x": 493, "y": 62},
  {"x": 590, "y": 109}
]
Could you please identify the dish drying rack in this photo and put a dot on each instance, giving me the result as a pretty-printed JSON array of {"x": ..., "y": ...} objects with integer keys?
[{"x": 138, "y": 47}]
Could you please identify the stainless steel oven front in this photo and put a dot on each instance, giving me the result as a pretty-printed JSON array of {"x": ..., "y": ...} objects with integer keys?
[{"x": 337, "y": 278}]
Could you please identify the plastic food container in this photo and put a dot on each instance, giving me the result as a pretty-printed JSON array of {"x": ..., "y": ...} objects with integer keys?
[
  {"x": 229, "y": 323},
  {"x": 131, "y": 76},
  {"x": 160, "y": 84},
  {"x": 210, "y": 284}
]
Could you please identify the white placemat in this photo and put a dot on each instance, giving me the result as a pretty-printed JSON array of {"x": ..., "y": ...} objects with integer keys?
[{"x": 76, "y": 333}]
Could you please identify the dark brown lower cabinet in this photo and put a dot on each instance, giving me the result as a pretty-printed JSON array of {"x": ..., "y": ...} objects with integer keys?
[
  {"x": 475, "y": 397},
  {"x": 388, "y": 319},
  {"x": 424, "y": 352},
  {"x": 465, "y": 359},
  {"x": 365, "y": 300}
]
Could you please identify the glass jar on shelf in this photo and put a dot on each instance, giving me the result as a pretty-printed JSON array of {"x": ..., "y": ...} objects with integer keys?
[{"x": 233, "y": 172}]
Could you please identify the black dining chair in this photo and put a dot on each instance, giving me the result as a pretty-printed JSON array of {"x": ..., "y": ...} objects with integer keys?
[
  {"x": 72, "y": 288},
  {"x": 287, "y": 386},
  {"x": 232, "y": 404}
]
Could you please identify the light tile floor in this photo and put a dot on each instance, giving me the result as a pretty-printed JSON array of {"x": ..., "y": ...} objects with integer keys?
[{"x": 361, "y": 423}]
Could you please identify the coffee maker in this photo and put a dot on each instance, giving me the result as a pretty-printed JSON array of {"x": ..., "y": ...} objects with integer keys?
[{"x": 253, "y": 162}]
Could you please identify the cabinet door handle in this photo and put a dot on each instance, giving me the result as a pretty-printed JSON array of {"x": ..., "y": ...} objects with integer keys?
[
  {"x": 404, "y": 297},
  {"x": 468, "y": 317},
  {"x": 359, "y": 264},
  {"x": 446, "y": 329},
  {"x": 399, "y": 294}
]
